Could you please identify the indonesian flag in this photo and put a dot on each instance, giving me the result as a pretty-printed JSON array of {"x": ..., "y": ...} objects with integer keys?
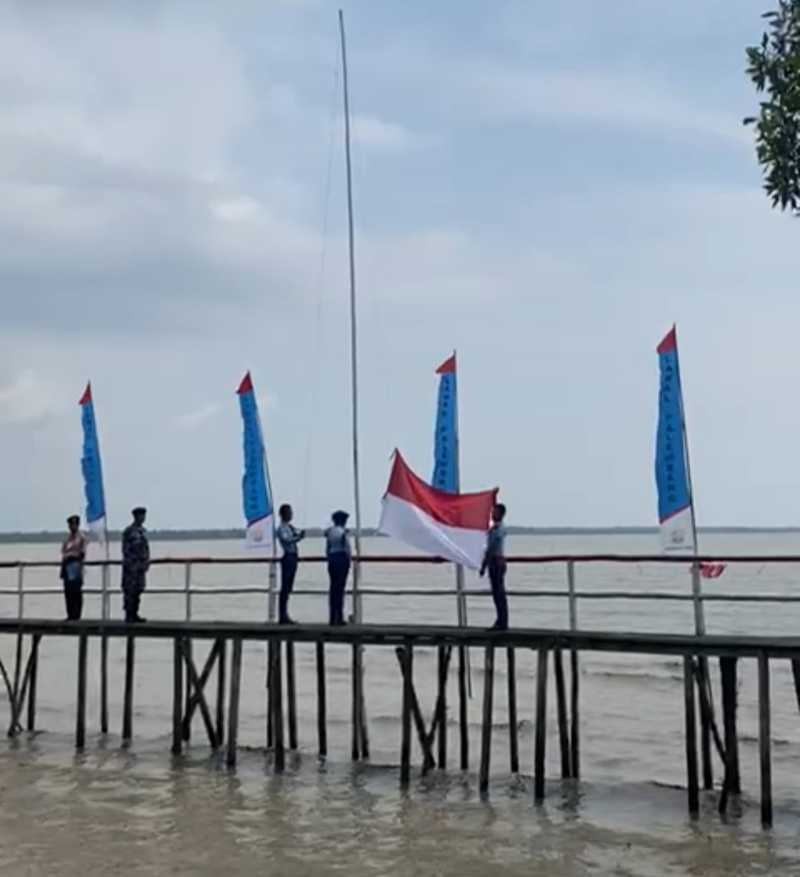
[
  {"x": 449, "y": 525},
  {"x": 711, "y": 570}
]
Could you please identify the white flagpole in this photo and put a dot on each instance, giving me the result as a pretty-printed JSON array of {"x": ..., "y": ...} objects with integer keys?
[
  {"x": 360, "y": 743},
  {"x": 699, "y": 615}
]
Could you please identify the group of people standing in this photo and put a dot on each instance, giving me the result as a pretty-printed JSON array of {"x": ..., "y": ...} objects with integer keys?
[{"x": 136, "y": 562}]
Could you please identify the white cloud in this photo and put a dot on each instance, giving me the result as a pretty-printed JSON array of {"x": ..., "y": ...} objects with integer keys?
[
  {"x": 28, "y": 399},
  {"x": 196, "y": 418},
  {"x": 373, "y": 132}
]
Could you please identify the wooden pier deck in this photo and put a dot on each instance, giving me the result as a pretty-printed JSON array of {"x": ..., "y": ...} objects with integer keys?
[{"x": 221, "y": 723}]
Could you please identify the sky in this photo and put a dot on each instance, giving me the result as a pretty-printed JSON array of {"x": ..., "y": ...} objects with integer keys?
[{"x": 545, "y": 187}]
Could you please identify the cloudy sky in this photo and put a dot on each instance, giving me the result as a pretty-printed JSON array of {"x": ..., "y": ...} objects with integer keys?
[{"x": 544, "y": 186}]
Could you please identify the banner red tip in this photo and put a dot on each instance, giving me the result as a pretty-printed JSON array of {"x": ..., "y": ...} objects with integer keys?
[
  {"x": 87, "y": 394},
  {"x": 448, "y": 367},
  {"x": 668, "y": 342},
  {"x": 246, "y": 385}
]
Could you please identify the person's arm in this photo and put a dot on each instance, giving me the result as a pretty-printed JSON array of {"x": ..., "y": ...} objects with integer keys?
[{"x": 489, "y": 553}]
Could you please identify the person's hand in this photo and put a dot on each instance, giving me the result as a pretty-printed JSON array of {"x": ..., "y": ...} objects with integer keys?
[
  {"x": 482, "y": 573},
  {"x": 302, "y": 534}
]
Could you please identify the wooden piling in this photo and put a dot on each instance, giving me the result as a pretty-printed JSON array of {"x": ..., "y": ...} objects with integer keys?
[
  {"x": 198, "y": 698},
  {"x": 291, "y": 695},
  {"x": 277, "y": 706},
  {"x": 706, "y": 716},
  {"x": 233, "y": 701},
  {"x": 104, "y": 683},
  {"x": 561, "y": 709},
  {"x": 34, "y": 665},
  {"x": 322, "y": 726},
  {"x": 541, "y": 727},
  {"x": 732, "y": 782},
  {"x": 270, "y": 706},
  {"x": 463, "y": 720},
  {"x": 764, "y": 741},
  {"x": 796, "y": 676},
  {"x": 177, "y": 695},
  {"x": 80, "y": 722},
  {"x": 513, "y": 732},
  {"x": 443, "y": 660},
  {"x": 188, "y": 709},
  {"x": 425, "y": 741},
  {"x": 575, "y": 742},
  {"x": 220, "y": 726},
  {"x": 691, "y": 736},
  {"x": 405, "y": 741},
  {"x": 355, "y": 715},
  {"x": 127, "y": 703},
  {"x": 486, "y": 725}
]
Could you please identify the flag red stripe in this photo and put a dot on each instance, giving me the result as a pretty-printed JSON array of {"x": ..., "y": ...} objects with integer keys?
[
  {"x": 448, "y": 366},
  {"x": 87, "y": 394},
  {"x": 468, "y": 510},
  {"x": 246, "y": 385},
  {"x": 668, "y": 342}
]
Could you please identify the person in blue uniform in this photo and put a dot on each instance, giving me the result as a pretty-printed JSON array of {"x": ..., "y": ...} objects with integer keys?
[
  {"x": 339, "y": 553},
  {"x": 135, "y": 563},
  {"x": 494, "y": 561},
  {"x": 288, "y": 536}
]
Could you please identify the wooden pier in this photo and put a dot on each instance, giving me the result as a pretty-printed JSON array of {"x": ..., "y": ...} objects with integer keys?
[{"x": 219, "y": 711}]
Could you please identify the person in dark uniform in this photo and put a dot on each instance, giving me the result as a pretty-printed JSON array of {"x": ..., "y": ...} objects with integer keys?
[
  {"x": 495, "y": 562},
  {"x": 73, "y": 554},
  {"x": 135, "y": 563},
  {"x": 288, "y": 536},
  {"x": 338, "y": 552}
]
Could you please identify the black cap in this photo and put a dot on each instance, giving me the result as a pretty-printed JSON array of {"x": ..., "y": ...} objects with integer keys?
[
  {"x": 72, "y": 518},
  {"x": 139, "y": 510},
  {"x": 340, "y": 516}
]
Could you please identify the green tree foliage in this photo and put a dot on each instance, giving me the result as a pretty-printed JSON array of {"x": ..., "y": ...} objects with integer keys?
[{"x": 774, "y": 67}]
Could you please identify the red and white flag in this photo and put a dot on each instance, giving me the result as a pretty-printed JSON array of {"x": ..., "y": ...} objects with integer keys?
[
  {"x": 711, "y": 570},
  {"x": 449, "y": 525}
]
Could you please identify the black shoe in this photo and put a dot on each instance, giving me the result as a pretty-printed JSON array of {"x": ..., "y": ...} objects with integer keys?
[
  {"x": 287, "y": 620},
  {"x": 340, "y": 623},
  {"x": 498, "y": 626},
  {"x": 139, "y": 620}
]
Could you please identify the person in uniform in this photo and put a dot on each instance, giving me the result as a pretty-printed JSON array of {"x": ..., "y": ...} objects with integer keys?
[
  {"x": 494, "y": 560},
  {"x": 135, "y": 563},
  {"x": 73, "y": 554},
  {"x": 338, "y": 552},
  {"x": 288, "y": 536}
]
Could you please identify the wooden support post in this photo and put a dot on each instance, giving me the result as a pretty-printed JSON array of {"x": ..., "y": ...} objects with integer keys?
[
  {"x": 270, "y": 705},
  {"x": 80, "y": 722},
  {"x": 443, "y": 663},
  {"x": 764, "y": 734},
  {"x": 405, "y": 742},
  {"x": 463, "y": 723},
  {"x": 221, "y": 649},
  {"x": 233, "y": 702},
  {"x": 364, "y": 725},
  {"x": 277, "y": 706},
  {"x": 355, "y": 741},
  {"x": 488, "y": 712},
  {"x": 34, "y": 665},
  {"x": 575, "y": 740},
  {"x": 291, "y": 695},
  {"x": 127, "y": 704},
  {"x": 706, "y": 716},
  {"x": 541, "y": 727},
  {"x": 322, "y": 727},
  {"x": 188, "y": 709},
  {"x": 691, "y": 736},
  {"x": 425, "y": 741},
  {"x": 513, "y": 734},
  {"x": 732, "y": 782},
  {"x": 177, "y": 695},
  {"x": 796, "y": 677},
  {"x": 104, "y": 681},
  {"x": 199, "y": 698},
  {"x": 561, "y": 709}
]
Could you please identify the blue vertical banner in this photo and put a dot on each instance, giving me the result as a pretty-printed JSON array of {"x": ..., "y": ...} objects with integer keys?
[
  {"x": 445, "y": 465},
  {"x": 675, "y": 513},
  {"x": 92, "y": 468},
  {"x": 256, "y": 498}
]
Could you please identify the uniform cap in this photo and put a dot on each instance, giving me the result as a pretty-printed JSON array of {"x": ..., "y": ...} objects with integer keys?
[{"x": 139, "y": 510}]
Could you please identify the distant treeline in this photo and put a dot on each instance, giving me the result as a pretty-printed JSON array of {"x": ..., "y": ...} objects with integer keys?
[{"x": 47, "y": 536}]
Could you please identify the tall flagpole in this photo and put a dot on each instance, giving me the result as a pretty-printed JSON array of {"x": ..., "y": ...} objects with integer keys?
[
  {"x": 360, "y": 738},
  {"x": 699, "y": 616},
  {"x": 353, "y": 328}
]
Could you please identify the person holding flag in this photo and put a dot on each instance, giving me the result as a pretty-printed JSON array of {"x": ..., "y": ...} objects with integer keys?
[
  {"x": 339, "y": 554},
  {"x": 73, "y": 554},
  {"x": 495, "y": 562},
  {"x": 288, "y": 536}
]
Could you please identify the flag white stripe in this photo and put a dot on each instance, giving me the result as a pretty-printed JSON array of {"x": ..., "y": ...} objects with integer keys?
[
  {"x": 407, "y": 523},
  {"x": 677, "y": 533},
  {"x": 259, "y": 535}
]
